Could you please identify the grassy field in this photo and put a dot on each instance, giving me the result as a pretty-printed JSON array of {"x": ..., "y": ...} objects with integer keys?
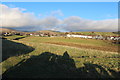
[
  {"x": 61, "y": 57},
  {"x": 14, "y": 37},
  {"x": 98, "y": 33},
  {"x": 76, "y": 42}
]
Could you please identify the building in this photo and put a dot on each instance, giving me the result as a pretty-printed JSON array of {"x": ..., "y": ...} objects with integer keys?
[{"x": 80, "y": 36}]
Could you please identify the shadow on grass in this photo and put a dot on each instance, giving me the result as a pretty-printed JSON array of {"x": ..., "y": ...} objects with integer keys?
[
  {"x": 10, "y": 48},
  {"x": 18, "y": 38},
  {"x": 49, "y": 65}
]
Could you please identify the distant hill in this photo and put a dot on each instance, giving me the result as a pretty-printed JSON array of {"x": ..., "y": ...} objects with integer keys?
[
  {"x": 96, "y": 33},
  {"x": 117, "y": 32},
  {"x": 49, "y": 31},
  {"x": 2, "y": 30},
  {"x": 7, "y": 30}
]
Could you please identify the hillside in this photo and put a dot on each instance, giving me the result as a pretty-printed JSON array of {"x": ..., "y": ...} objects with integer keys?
[
  {"x": 63, "y": 33},
  {"x": 97, "y": 33},
  {"x": 7, "y": 30},
  {"x": 49, "y": 31}
]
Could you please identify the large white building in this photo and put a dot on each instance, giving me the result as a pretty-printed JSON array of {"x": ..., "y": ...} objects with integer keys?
[
  {"x": 93, "y": 37},
  {"x": 81, "y": 36}
]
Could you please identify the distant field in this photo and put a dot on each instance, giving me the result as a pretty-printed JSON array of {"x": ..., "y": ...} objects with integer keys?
[
  {"x": 14, "y": 37},
  {"x": 85, "y": 58},
  {"x": 76, "y": 42},
  {"x": 98, "y": 33}
]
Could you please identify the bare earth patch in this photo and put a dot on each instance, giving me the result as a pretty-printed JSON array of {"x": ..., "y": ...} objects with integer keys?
[{"x": 102, "y": 48}]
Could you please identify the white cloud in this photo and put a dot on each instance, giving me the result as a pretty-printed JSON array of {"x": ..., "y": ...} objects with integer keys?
[
  {"x": 15, "y": 17},
  {"x": 57, "y": 12},
  {"x": 111, "y": 16},
  {"x": 75, "y": 23},
  {"x": 48, "y": 22}
]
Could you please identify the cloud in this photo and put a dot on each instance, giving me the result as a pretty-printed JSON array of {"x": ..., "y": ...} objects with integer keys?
[
  {"x": 16, "y": 17},
  {"x": 111, "y": 16},
  {"x": 75, "y": 23},
  {"x": 57, "y": 12},
  {"x": 48, "y": 22}
]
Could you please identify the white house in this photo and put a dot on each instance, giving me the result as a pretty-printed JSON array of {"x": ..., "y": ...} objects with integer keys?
[
  {"x": 90, "y": 37},
  {"x": 94, "y": 37},
  {"x": 111, "y": 38},
  {"x": 81, "y": 36},
  {"x": 31, "y": 34},
  {"x": 37, "y": 35}
]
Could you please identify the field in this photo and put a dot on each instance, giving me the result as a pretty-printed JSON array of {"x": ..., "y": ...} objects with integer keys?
[
  {"x": 98, "y": 33},
  {"x": 37, "y": 57},
  {"x": 14, "y": 37}
]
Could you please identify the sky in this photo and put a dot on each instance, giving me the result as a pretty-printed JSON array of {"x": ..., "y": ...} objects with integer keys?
[
  {"x": 60, "y": 16},
  {"x": 60, "y": 0}
]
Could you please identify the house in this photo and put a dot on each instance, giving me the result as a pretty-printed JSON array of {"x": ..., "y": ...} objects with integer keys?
[
  {"x": 80, "y": 36},
  {"x": 112, "y": 37},
  {"x": 89, "y": 37},
  {"x": 31, "y": 34},
  {"x": 116, "y": 38}
]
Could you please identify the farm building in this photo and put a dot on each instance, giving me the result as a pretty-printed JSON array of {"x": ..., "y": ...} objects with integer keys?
[
  {"x": 100, "y": 37},
  {"x": 81, "y": 36}
]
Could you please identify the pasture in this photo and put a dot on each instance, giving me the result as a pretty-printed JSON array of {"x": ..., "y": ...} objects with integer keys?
[
  {"x": 47, "y": 57},
  {"x": 14, "y": 37},
  {"x": 98, "y": 33}
]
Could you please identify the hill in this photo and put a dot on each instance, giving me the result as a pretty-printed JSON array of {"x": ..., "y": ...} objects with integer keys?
[
  {"x": 8, "y": 30},
  {"x": 49, "y": 31},
  {"x": 96, "y": 33}
]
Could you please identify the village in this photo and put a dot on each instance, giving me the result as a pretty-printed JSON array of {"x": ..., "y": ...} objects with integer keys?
[
  {"x": 66, "y": 35},
  {"x": 116, "y": 38}
]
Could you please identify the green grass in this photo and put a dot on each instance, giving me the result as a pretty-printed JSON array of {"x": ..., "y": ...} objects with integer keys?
[
  {"x": 13, "y": 37},
  {"x": 70, "y": 40},
  {"x": 76, "y": 42},
  {"x": 81, "y": 56},
  {"x": 98, "y": 33}
]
